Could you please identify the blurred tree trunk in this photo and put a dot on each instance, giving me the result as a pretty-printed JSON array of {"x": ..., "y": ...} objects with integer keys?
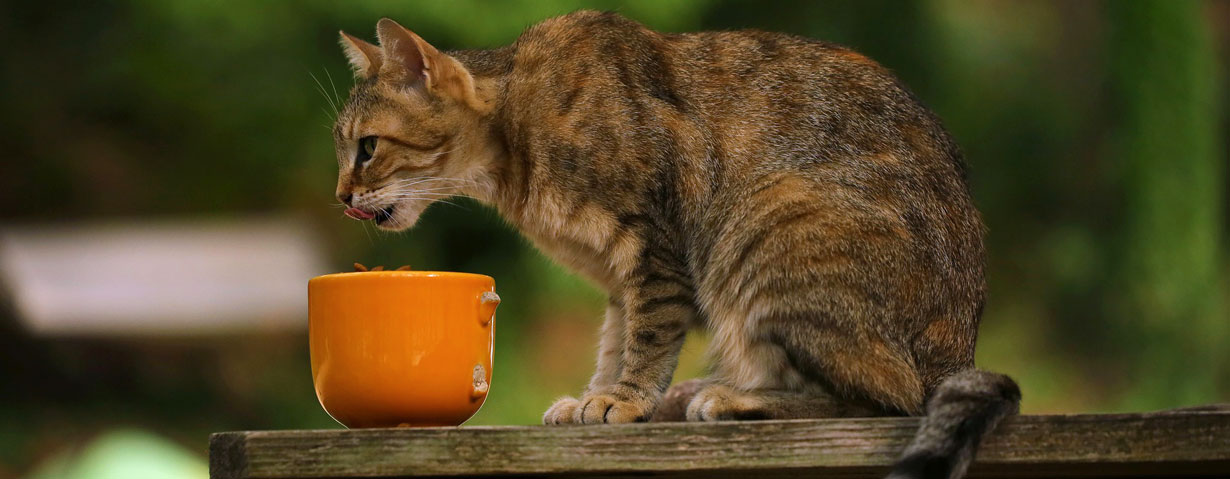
[{"x": 1164, "y": 78}]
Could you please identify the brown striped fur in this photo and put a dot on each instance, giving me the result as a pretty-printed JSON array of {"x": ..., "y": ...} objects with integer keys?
[{"x": 788, "y": 195}]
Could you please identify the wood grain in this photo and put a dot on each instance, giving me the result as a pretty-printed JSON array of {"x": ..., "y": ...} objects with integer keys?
[{"x": 1180, "y": 443}]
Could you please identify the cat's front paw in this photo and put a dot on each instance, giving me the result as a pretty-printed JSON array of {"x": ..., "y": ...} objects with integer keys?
[
  {"x": 613, "y": 405},
  {"x": 564, "y": 411}
]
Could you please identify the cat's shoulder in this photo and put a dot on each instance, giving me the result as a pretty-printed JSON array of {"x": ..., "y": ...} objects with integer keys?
[
  {"x": 588, "y": 21},
  {"x": 579, "y": 29}
]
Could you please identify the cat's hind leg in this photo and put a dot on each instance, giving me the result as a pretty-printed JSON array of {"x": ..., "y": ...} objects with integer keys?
[
  {"x": 801, "y": 365},
  {"x": 674, "y": 404},
  {"x": 720, "y": 402}
]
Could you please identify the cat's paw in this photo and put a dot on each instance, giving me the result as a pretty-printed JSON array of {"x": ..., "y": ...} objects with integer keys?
[
  {"x": 564, "y": 411},
  {"x": 613, "y": 405},
  {"x": 716, "y": 403},
  {"x": 674, "y": 404}
]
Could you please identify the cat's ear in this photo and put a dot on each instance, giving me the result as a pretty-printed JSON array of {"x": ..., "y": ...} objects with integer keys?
[
  {"x": 364, "y": 57},
  {"x": 413, "y": 62}
]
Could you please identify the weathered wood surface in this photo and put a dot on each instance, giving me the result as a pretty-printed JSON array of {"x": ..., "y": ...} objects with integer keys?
[{"x": 1180, "y": 443}]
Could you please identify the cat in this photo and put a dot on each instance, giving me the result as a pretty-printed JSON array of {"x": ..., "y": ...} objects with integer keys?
[{"x": 788, "y": 195}]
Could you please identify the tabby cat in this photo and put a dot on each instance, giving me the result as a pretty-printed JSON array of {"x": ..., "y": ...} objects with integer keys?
[{"x": 789, "y": 196}]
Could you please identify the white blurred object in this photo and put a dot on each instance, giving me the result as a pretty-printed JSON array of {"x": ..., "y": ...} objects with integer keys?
[{"x": 159, "y": 278}]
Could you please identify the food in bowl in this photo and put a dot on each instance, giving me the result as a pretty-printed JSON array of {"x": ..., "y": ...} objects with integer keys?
[{"x": 359, "y": 268}]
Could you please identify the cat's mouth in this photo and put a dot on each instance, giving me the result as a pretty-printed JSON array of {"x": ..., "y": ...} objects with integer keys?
[
  {"x": 380, "y": 216},
  {"x": 394, "y": 217},
  {"x": 384, "y": 214}
]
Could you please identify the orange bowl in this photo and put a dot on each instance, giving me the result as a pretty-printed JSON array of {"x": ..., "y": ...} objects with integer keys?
[{"x": 401, "y": 348}]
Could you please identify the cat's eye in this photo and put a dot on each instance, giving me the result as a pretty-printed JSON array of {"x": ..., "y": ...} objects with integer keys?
[{"x": 367, "y": 148}]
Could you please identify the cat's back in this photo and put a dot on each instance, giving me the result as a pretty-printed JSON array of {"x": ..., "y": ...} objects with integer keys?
[
  {"x": 572, "y": 63},
  {"x": 749, "y": 88}
]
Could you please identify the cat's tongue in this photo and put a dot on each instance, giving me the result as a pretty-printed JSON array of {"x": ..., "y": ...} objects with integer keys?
[{"x": 358, "y": 214}]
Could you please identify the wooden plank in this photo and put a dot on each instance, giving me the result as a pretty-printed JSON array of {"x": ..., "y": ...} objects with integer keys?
[{"x": 1181, "y": 443}]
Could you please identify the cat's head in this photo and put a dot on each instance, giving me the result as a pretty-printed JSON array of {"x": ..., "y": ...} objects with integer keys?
[{"x": 412, "y": 132}]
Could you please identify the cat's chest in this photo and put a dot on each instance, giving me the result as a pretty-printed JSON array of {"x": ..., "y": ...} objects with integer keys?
[{"x": 581, "y": 236}]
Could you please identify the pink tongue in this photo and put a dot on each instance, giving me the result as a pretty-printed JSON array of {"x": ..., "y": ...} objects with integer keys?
[{"x": 358, "y": 214}]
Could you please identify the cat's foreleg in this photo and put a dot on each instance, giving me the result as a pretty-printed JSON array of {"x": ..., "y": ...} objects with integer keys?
[
  {"x": 610, "y": 348},
  {"x": 610, "y": 363},
  {"x": 659, "y": 307}
]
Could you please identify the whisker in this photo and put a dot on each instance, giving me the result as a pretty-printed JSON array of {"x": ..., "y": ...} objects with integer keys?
[
  {"x": 416, "y": 198},
  {"x": 408, "y": 182},
  {"x": 441, "y": 178},
  {"x": 334, "y": 86},
  {"x": 368, "y": 234},
  {"x": 450, "y": 203},
  {"x": 321, "y": 88},
  {"x": 412, "y": 188},
  {"x": 400, "y": 191},
  {"x": 423, "y": 189},
  {"x": 404, "y": 183},
  {"x": 425, "y": 179},
  {"x": 417, "y": 192},
  {"x": 419, "y": 186}
]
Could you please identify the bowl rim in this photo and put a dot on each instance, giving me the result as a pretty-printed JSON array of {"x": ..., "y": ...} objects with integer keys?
[{"x": 399, "y": 274}]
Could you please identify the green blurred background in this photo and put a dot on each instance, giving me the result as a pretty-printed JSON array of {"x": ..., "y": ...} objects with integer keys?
[{"x": 1095, "y": 132}]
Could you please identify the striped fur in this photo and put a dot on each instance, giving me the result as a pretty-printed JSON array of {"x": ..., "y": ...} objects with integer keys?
[{"x": 788, "y": 195}]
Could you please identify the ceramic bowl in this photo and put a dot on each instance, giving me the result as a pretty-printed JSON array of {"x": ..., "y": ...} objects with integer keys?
[{"x": 401, "y": 348}]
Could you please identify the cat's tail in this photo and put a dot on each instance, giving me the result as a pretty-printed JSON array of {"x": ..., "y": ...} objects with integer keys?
[{"x": 962, "y": 409}]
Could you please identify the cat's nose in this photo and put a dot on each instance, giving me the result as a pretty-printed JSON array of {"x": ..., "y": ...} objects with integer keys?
[{"x": 345, "y": 198}]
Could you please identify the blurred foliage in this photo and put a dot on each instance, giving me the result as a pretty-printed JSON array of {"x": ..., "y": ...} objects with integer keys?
[
  {"x": 1094, "y": 130},
  {"x": 124, "y": 454},
  {"x": 1170, "y": 262}
]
